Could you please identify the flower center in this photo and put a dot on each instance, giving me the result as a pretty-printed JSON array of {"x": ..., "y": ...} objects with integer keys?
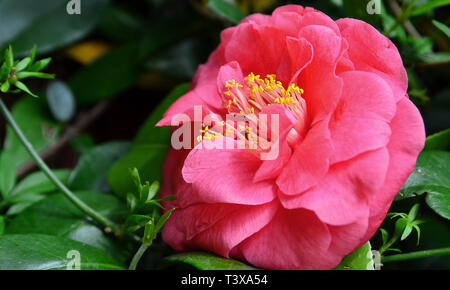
[
  {"x": 256, "y": 93},
  {"x": 247, "y": 100}
]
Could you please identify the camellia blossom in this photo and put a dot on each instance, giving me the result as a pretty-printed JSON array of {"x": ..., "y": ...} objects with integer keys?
[{"x": 348, "y": 139}]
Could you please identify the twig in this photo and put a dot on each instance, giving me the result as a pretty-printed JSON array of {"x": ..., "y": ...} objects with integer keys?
[
  {"x": 415, "y": 255},
  {"x": 407, "y": 25},
  {"x": 83, "y": 122},
  {"x": 104, "y": 221}
]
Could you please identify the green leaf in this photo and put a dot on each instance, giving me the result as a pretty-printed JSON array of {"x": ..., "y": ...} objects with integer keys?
[
  {"x": 384, "y": 235},
  {"x": 148, "y": 151},
  {"x": 24, "y": 88},
  {"x": 132, "y": 201},
  {"x": 2, "y": 224},
  {"x": 5, "y": 86},
  {"x": 429, "y": 5},
  {"x": 406, "y": 232},
  {"x": 32, "y": 189},
  {"x": 31, "y": 74},
  {"x": 226, "y": 10},
  {"x": 61, "y": 101},
  {"x": 43, "y": 252},
  {"x": 439, "y": 201},
  {"x": 431, "y": 174},
  {"x": 57, "y": 216},
  {"x": 206, "y": 261},
  {"x": 40, "y": 64},
  {"x": 361, "y": 259},
  {"x": 23, "y": 64},
  {"x": 45, "y": 23},
  {"x": 92, "y": 168},
  {"x": 413, "y": 213},
  {"x": 40, "y": 129},
  {"x": 438, "y": 141},
  {"x": 442, "y": 27},
  {"x": 39, "y": 182}
]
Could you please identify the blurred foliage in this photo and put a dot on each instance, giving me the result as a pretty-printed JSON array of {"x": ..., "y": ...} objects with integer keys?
[{"x": 131, "y": 55}]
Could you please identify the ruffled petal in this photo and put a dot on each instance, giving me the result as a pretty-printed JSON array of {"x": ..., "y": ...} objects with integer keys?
[
  {"x": 216, "y": 227},
  {"x": 271, "y": 168},
  {"x": 225, "y": 175},
  {"x": 291, "y": 18},
  {"x": 321, "y": 85},
  {"x": 361, "y": 120},
  {"x": 371, "y": 51},
  {"x": 342, "y": 196},
  {"x": 407, "y": 140},
  {"x": 303, "y": 243},
  {"x": 309, "y": 162}
]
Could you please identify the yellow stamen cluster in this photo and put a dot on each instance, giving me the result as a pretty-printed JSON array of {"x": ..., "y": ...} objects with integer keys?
[{"x": 249, "y": 98}]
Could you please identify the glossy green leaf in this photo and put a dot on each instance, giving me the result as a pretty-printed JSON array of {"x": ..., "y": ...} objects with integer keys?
[
  {"x": 41, "y": 130},
  {"x": 206, "y": 261},
  {"x": 57, "y": 216},
  {"x": 43, "y": 252},
  {"x": 226, "y": 10},
  {"x": 361, "y": 259},
  {"x": 92, "y": 168},
  {"x": 45, "y": 23},
  {"x": 438, "y": 141},
  {"x": 439, "y": 201},
  {"x": 147, "y": 153},
  {"x": 431, "y": 174},
  {"x": 60, "y": 100}
]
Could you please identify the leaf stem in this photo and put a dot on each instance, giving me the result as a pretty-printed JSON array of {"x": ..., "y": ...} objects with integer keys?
[
  {"x": 47, "y": 171},
  {"x": 416, "y": 255},
  {"x": 137, "y": 257}
]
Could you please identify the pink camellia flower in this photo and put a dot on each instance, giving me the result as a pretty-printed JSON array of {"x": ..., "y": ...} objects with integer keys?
[{"x": 348, "y": 138}]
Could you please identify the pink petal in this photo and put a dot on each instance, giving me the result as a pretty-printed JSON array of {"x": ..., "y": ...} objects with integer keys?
[
  {"x": 407, "y": 140},
  {"x": 291, "y": 18},
  {"x": 272, "y": 168},
  {"x": 225, "y": 176},
  {"x": 321, "y": 85},
  {"x": 341, "y": 198},
  {"x": 297, "y": 56},
  {"x": 361, "y": 120},
  {"x": 348, "y": 238},
  {"x": 262, "y": 54},
  {"x": 309, "y": 162},
  {"x": 302, "y": 244},
  {"x": 370, "y": 51},
  {"x": 216, "y": 227}
]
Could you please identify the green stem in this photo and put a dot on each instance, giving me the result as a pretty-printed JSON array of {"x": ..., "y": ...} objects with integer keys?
[
  {"x": 137, "y": 257},
  {"x": 416, "y": 255},
  {"x": 72, "y": 197},
  {"x": 388, "y": 244}
]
